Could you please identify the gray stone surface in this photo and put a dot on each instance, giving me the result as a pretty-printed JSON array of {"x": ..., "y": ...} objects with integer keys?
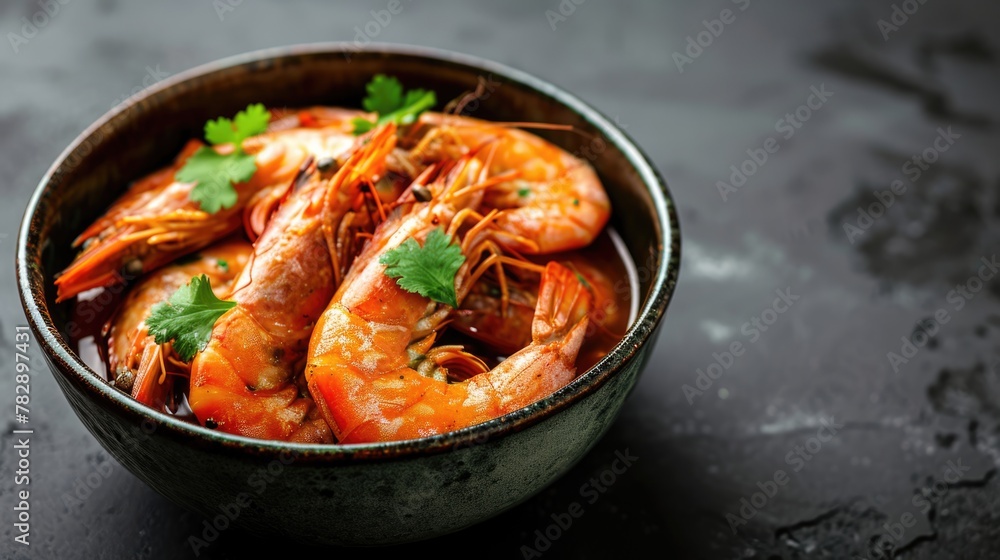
[{"x": 822, "y": 360}]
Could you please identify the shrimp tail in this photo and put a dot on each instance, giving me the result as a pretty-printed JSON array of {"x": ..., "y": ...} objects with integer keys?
[
  {"x": 557, "y": 332},
  {"x": 563, "y": 303}
]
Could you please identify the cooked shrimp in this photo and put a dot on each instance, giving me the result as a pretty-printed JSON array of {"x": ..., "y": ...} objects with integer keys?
[
  {"x": 155, "y": 221},
  {"x": 361, "y": 369},
  {"x": 553, "y": 201},
  {"x": 141, "y": 366},
  {"x": 243, "y": 382}
]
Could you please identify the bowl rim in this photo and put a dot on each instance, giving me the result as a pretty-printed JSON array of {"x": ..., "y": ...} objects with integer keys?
[{"x": 644, "y": 326}]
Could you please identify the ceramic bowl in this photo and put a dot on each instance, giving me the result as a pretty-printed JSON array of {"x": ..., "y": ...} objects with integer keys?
[{"x": 368, "y": 494}]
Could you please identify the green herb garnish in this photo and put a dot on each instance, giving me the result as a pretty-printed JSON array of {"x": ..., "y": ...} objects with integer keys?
[
  {"x": 187, "y": 317},
  {"x": 386, "y": 98},
  {"x": 429, "y": 270},
  {"x": 214, "y": 173}
]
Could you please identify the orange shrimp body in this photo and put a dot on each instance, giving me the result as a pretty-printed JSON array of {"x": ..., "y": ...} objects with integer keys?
[
  {"x": 133, "y": 355},
  {"x": 243, "y": 382},
  {"x": 359, "y": 370},
  {"x": 155, "y": 221},
  {"x": 553, "y": 201}
]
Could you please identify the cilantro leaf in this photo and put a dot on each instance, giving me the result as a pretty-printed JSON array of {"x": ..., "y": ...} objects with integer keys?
[
  {"x": 251, "y": 121},
  {"x": 408, "y": 113},
  {"x": 413, "y": 97},
  {"x": 187, "y": 317},
  {"x": 429, "y": 270},
  {"x": 385, "y": 94},
  {"x": 220, "y": 131},
  {"x": 248, "y": 122},
  {"x": 385, "y": 97},
  {"x": 215, "y": 173},
  {"x": 361, "y": 125}
]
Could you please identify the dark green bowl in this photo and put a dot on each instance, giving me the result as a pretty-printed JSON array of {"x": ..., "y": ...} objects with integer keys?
[{"x": 353, "y": 494}]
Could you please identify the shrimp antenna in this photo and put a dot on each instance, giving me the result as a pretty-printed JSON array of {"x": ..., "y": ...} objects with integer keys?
[
  {"x": 451, "y": 192},
  {"x": 371, "y": 189},
  {"x": 546, "y": 126},
  {"x": 474, "y": 242},
  {"x": 457, "y": 105}
]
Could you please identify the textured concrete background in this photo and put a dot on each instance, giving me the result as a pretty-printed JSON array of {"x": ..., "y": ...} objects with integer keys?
[{"x": 917, "y": 443}]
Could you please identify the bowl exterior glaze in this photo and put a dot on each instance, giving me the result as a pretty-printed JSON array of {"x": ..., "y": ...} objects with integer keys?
[{"x": 358, "y": 494}]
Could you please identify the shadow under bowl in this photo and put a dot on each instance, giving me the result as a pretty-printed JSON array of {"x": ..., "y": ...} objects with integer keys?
[{"x": 368, "y": 494}]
